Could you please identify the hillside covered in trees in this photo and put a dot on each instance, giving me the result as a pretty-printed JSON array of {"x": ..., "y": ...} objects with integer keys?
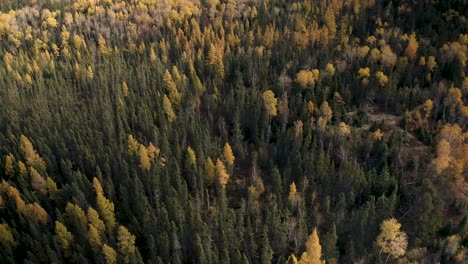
[{"x": 233, "y": 131}]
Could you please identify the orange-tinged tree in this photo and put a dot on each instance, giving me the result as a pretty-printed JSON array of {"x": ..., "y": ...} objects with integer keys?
[
  {"x": 412, "y": 47},
  {"x": 313, "y": 253},
  {"x": 228, "y": 155},
  {"x": 38, "y": 183},
  {"x": 388, "y": 58},
  {"x": 95, "y": 221},
  {"x": 105, "y": 207},
  {"x": 7, "y": 241},
  {"x": 133, "y": 145},
  {"x": 293, "y": 196},
  {"x": 126, "y": 243},
  {"x": 270, "y": 102},
  {"x": 109, "y": 254},
  {"x": 223, "y": 176},
  {"x": 191, "y": 156},
  {"x": 32, "y": 158},
  {"x": 210, "y": 169},
  {"x": 63, "y": 237},
  {"x": 37, "y": 213},
  {"x": 10, "y": 165},
  {"x": 125, "y": 90},
  {"x": 391, "y": 240},
  {"x": 94, "y": 238},
  {"x": 167, "y": 106},
  {"x": 145, "y": 162}
]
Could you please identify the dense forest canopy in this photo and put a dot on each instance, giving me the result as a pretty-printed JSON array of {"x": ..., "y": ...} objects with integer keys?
[{"x": 233, "y": 131}]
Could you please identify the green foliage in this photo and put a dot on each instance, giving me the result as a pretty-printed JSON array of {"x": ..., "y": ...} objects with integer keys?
[{"x": 138, "y": 100}]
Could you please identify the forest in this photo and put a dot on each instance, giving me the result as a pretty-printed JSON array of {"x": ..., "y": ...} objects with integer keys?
[{"x": 234, "y": 131}]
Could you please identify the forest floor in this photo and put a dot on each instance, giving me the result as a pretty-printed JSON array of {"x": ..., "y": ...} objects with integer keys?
[{"x": 412, "y": 150}]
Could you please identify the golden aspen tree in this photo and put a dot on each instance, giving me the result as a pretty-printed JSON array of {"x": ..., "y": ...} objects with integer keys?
[
  {"x": 313, "y": 253},
  {"x": 145, "y": 162},
  {"x": 133, "y": 145},
  {"x": 210, "y": 169},
  {"x": 94, "y": 238},
  {"x": 310, "y": 107},
  {"x": 153, "y": 56},
  {"x": 375, "y": 55},
  {"x": 381, "y": 78},
  {"x": 94, "y": 220},
  {"x": 89, "y": 73},
  {"x": 454, "y": 101},
  {"x": 14, "y": 194},
  {"x": 330, "y": 69},
  {"x": 32, "y": 158},
  {"x": 215, "y": 60},
  {"x": 292, "y": 259},
  {"x": 301, "y": 34},
  {"x": 412, "y": 47},
  {"x": 298, "y": 127},
  {"x": 391, "y": 240},
  {"x": 103, "y": 49},
  {"x": 325, "y": 115},
  {"x": 270, "y": 102},
  {"x": 305, "y": 78},
  {"x": 345, "y": 130},
  {"x": 153, "y": 151},
  {"x": 431, "y": 63},
  {"x": 126, "y": 243},
  {"x": 443, "y": 156},
  {"x": 330, "y": 20},
  {"x": 105, "y": 207},
  {"x": 10, "y": 165},
  {"x": 223, "y": 177},
  {"x": 388, "y": 58},
  {"x": 171, "y": 88},
  {"x": 78, "y": 42},
  {"x": 38, "y": 183},
  {"x": 7, "y": 240},
  {"x": 63, "y": 237},
  {"x": 125, "y": 91},
  {"x": 191, "y": 156},
  {"x": 377, "y": 135},
  {"x": 167, "y": 106},
  {"x": 37, "y": 213},
  {"x": 362, "y": 52},
  {"x": 51, "y": 187},
  {"x": 465, "y": 85},
  {"x": 364, "y": 72},
  {"x": 109, "y": 254},
  {"x": 427, "y": 108},
  {"x": 293, "y": 196},
  {"x": 228, "y": 155},
  {"x": 75, "y": 212}
]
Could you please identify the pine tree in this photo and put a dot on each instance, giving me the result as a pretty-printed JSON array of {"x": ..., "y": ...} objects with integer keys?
[{"x": 266, "y": 256}]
